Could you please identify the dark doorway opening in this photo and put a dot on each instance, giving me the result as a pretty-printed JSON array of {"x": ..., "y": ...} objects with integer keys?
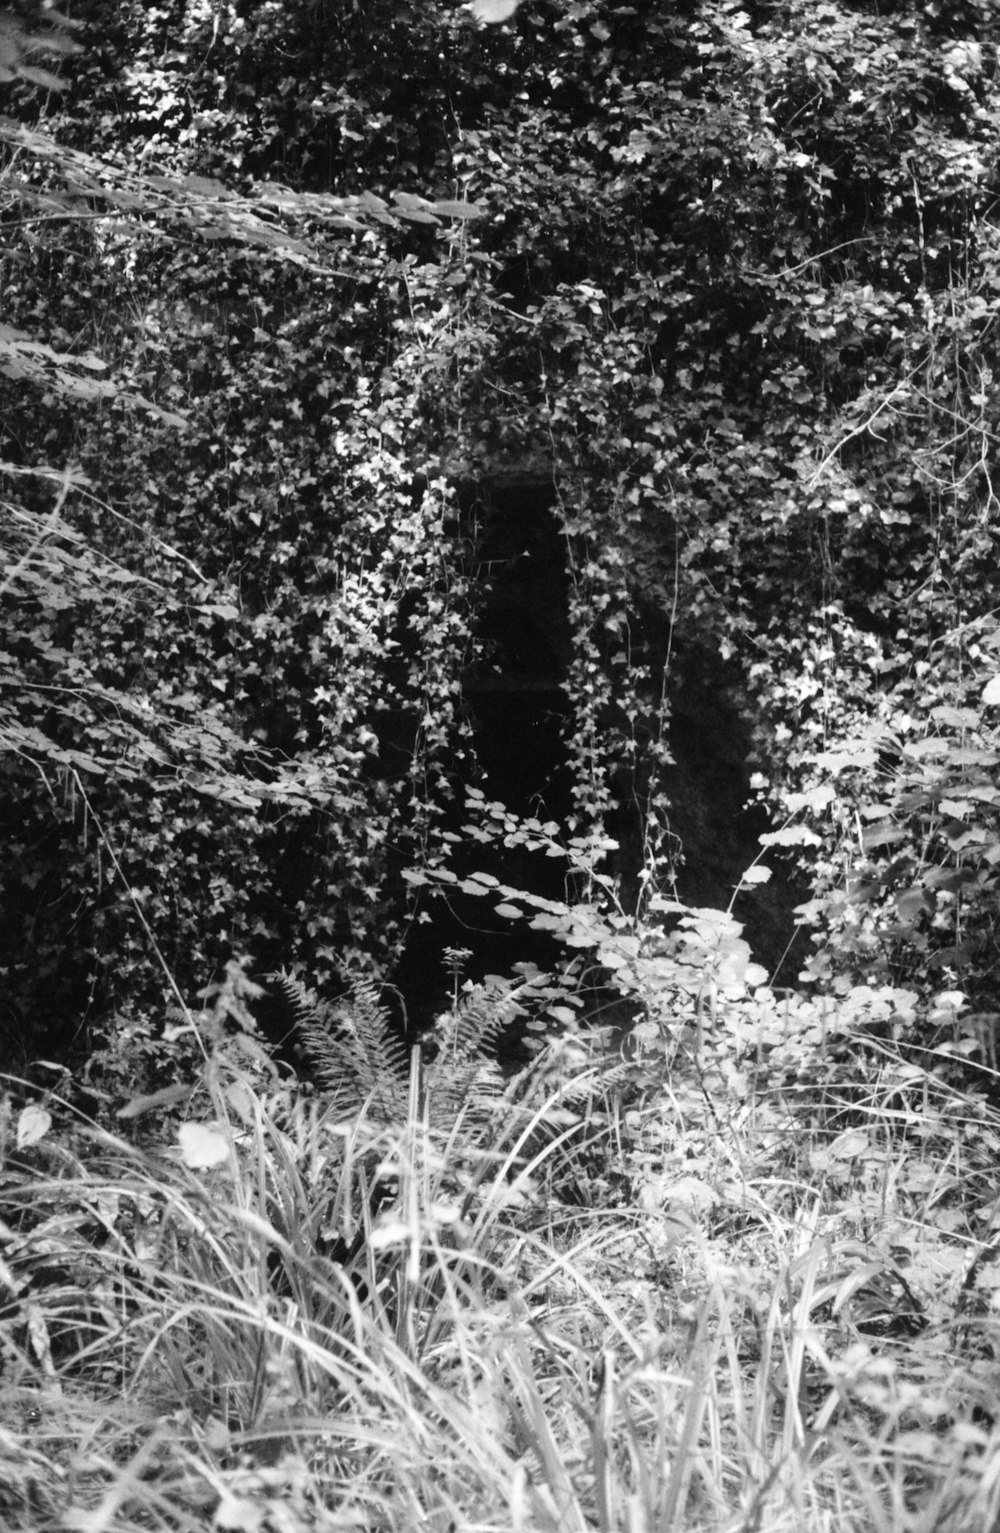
[{"x": 516, "y": 708}]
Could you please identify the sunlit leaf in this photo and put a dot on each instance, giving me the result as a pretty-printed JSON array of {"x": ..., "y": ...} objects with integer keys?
[
  {"x": 449, "y": 209},
  {"x": 33, "y": 1123},
  {"x": 885, "y": 834},
  {"x": 202, "y": 1146},
  {"x": 392, "y": 1233},
  {"x": 847, "y": 1146},
  {"x": 790, "y": 835},
  {"x": 758, "y": 874},
  {"x": 492, "y": 11},
  {"x": 238, "y": 1514}
]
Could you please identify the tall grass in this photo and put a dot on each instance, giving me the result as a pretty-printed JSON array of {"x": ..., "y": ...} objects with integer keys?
[{"x": 434, "y": 1327}]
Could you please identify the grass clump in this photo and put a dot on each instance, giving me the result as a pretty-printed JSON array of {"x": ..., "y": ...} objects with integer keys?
[{"x": 553, "y": 1305}]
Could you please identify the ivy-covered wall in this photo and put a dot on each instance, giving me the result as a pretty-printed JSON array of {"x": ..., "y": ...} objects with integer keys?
[{"x": 306, "y": 286}]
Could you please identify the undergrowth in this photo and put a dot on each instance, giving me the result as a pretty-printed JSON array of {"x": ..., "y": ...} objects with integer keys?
[{"x": 712, "y": 1290}]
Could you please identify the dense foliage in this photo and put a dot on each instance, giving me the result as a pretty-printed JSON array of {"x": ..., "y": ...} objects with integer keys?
[
  {"x": 276, "y": 304},
  {"x": 387, "y": 392}
]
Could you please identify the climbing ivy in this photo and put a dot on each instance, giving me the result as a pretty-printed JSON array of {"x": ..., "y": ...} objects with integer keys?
[{"x": 284, "y": 283}]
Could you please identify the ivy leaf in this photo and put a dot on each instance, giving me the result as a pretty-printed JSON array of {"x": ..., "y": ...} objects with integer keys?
[{"x": 991, "y": 693}]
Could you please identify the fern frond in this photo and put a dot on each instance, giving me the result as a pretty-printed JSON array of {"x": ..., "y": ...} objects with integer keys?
[
  {"x": 352, "y": 1048},
  {"x": 483, "y": 1014},
  {"x": 462, "y": 1074}
]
